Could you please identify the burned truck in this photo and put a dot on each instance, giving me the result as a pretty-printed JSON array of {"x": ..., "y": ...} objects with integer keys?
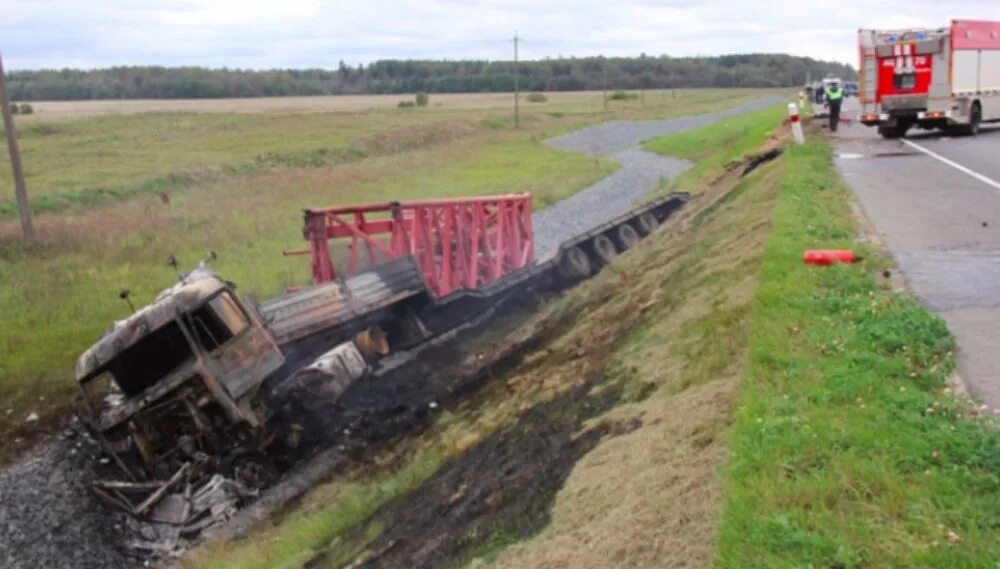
[
  {"x": 203, "y": 383},
  {"x": 187, "y": 386}
]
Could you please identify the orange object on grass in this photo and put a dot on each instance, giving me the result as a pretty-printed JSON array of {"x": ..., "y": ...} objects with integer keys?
[{"x": 829, "y": 256}]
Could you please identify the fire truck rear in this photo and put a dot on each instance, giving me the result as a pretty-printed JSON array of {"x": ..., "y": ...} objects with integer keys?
[{"x": 943, "y": 78}]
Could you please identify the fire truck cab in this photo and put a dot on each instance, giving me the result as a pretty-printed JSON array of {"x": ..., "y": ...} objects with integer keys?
[{"x": 944, "y": 78}]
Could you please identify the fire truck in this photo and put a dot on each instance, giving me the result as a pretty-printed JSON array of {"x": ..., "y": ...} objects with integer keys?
[{"x": 943, "y": 78}]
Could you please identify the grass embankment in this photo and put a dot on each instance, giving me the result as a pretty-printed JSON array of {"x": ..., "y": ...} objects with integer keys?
[
  {"x": 236, "y": 183},
  {"x": 849, "y": 450},
  {"x": 648, "y": 494},
  {"x": 714, "y": 146}
]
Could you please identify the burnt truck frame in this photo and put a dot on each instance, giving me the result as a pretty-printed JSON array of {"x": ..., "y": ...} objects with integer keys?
[{"x": 177, "y": 382}]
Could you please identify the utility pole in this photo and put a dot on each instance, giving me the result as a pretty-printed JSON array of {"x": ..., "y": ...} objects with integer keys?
[
  {"x": 27, "y": 229},
  {"x": 517, "y": 108},
  {"x": 604, "y": 83}
]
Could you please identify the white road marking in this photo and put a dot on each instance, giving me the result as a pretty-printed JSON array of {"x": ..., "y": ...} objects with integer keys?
[
  {"x": 988, "y": 181},
  {"x": 850, "y": 156}
]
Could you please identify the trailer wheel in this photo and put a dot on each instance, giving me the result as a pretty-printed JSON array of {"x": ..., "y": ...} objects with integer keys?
[
  {"x": 647, "y": 223},
  {"x": 574, "y": 265},
  {"x": 604, "y": 249},
  {"x": 626, "y": 236}
]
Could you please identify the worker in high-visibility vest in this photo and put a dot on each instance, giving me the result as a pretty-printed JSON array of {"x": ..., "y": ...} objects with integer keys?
[{"x": 834, "y": 97}]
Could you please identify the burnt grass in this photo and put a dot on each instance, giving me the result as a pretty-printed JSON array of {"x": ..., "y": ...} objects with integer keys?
[{"x": 498, "y": 492}]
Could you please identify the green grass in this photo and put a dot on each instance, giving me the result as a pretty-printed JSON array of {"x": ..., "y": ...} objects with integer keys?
[
  {"x": 713, "y": 146},
  {"x": 848, "y": 450},
  {"x": 95, "y": 159}
]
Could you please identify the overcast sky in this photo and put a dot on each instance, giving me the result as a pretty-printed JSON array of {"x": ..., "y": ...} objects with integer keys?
[{"x": 314, "y": 33}]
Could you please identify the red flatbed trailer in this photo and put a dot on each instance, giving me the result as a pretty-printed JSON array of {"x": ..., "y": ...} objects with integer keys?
[{"x": 404, "y": 263}]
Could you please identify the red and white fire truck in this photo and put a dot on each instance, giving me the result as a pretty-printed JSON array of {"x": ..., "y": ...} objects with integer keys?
[{"x": 942, "y": 78}]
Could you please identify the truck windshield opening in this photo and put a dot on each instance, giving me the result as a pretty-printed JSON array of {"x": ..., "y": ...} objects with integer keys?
[
  {"x": 218, "y": 321},
  {"x": 150, "y": 359}
]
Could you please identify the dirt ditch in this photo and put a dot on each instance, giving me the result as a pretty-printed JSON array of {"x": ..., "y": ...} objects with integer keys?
[{"x": 501, "y": 489}]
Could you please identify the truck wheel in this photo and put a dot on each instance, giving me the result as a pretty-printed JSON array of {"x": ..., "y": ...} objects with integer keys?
[
  {"x": 975, "y": 119},
  {"x": 647, "y": 223},
  {"x": 626, "y": 236},
  {"x": 604, "y": 249},
  {"x": 574, "y": 265},
  {"x": 893, "y": 132}
]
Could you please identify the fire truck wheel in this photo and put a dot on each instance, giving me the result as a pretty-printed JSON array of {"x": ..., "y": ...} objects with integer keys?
[
  {"x": 575, "y": 264},
  {"x": 975, "y": 118},
  {"x": 647, "y": 223},
  {"x": 626, "y": 236},
  {"x": 893, "y": 132},
  {"x": 604, "y": 249}
]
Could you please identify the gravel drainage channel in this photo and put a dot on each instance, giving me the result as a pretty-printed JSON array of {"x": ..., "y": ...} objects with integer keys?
[{"x": 641, "y": 172}]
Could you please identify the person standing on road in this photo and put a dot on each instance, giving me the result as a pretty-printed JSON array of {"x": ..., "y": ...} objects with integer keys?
[{"x": 834, "y": 97}]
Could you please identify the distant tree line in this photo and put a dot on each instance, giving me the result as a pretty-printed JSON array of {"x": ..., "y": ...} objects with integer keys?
[{"x": 410, "y": 76}]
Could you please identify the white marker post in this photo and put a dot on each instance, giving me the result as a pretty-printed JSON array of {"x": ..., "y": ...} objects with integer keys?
[{"x": 793, "y": 115}]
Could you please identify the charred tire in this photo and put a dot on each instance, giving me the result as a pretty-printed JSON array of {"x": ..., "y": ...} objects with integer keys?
[
  {"x": 575, "y": 264},
  {"x": 647, "y": 223},
  {"x": 253, "y": 470},
  {"x": 604, "y": 249},
  {"x": 626, "y": 236}
]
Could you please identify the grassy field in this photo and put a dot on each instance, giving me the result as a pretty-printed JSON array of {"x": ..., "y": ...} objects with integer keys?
[
  {"x": 120, "y": 193},
  {"x": 81, "y": 161},
  {"x": 572, "y": 101},
  {"x": 850, "y": 449}
]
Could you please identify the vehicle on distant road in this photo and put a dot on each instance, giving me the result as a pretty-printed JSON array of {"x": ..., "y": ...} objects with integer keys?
[
  {"x": 851, "y": 89},
  {"x": 943, "y": 78}
]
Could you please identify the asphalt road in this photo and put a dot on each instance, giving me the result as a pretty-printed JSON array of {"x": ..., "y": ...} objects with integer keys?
[{"x": 942, "y": 225}]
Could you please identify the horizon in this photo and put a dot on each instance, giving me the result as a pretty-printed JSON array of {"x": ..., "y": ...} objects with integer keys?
[{"x": 335, "y": 67}]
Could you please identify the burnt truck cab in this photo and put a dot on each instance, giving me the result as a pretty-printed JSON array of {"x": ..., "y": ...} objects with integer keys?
[{"x": 176, "y": 382}]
